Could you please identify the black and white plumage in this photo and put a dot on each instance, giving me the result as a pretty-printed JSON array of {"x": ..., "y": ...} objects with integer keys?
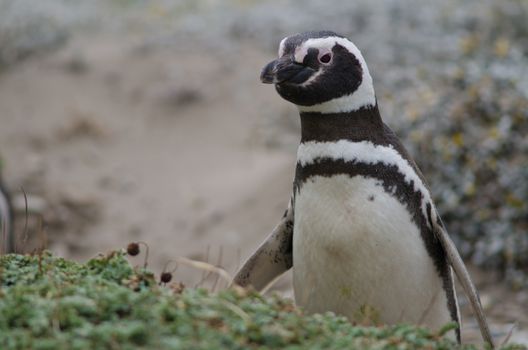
[{"x": 361, "y": 229}]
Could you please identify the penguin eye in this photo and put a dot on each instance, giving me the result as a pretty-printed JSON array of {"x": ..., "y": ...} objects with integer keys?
[{"x": 325, "y": 58}]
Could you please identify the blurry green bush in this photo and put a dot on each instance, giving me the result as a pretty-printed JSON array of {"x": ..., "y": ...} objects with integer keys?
[{"x": 51, "y": 303}]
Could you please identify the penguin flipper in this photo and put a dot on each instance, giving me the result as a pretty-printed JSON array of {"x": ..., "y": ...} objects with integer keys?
[
  {"x": 272, "y": 258},
  {"x": 465, "y": 280}
]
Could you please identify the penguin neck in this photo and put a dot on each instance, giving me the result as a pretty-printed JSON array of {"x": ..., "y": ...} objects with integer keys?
[{"x": 363, "y": 124}]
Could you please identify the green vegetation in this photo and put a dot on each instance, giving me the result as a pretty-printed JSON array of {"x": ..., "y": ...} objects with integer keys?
[{"x": 51, "y": 303}]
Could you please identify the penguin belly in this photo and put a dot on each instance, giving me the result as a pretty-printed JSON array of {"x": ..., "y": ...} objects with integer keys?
[{"x": 357, "y": 253}]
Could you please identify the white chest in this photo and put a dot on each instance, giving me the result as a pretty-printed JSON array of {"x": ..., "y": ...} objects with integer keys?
[{"x": 355, "y": 248}]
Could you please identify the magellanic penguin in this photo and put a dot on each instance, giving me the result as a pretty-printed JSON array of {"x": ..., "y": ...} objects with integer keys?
[{"x": 361, "y": 231}]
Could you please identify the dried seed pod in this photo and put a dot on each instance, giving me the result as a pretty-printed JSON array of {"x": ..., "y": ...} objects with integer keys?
[
  {"x": 166, "y": 277},
  {"x": 133, "y": 249}
]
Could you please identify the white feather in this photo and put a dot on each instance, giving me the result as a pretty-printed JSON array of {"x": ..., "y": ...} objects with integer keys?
[
  {"x": 281, "y": 46},
  {"x": 350, "y": 252},
  {"x": 365, "y": 152}
]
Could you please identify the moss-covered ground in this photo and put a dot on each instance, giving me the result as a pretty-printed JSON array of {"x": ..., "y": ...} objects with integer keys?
[{"x": 48, "y": 302}]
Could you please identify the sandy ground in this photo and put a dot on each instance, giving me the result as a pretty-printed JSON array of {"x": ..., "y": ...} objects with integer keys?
[{"x": 115, "y": 141}]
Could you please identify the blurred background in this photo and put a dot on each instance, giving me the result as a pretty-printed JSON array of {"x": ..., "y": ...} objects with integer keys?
[{"x": 127, "y": 120}]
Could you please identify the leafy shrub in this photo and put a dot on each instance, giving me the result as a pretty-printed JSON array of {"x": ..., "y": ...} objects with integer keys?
[{"x": 51, "y": 303}]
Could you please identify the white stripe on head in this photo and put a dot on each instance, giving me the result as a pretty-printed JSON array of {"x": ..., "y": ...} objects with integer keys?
[
  {"x": 281, "y": 47},
  {"x": 364, "y": 152},
  {"x": 363, "y": 96}
]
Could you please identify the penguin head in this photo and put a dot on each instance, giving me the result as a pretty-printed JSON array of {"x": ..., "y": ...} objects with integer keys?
[{"x": 321, "y": 72}]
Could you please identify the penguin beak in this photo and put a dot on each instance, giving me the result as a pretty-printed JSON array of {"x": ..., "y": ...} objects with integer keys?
[{"x": 285, "y": 70}]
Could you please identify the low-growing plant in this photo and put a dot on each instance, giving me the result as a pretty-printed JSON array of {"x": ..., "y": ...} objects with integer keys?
[{"x": 107, "y": 304}]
